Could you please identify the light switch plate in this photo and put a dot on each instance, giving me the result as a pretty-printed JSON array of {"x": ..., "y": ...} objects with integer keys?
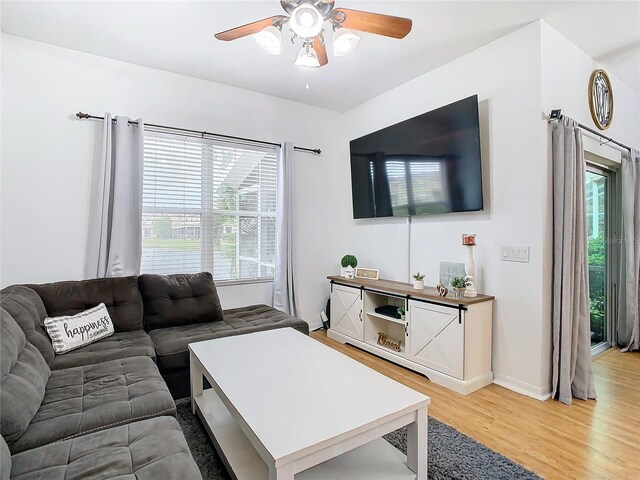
[{"x": 514, "y": 254}]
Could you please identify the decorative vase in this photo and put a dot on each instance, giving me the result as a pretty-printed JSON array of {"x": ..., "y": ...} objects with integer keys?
[
  {"x": 459, "y": 292},
  {"x": 470, "y": 270},
  {"x": 346, "y": 272},
  {"x": 418, "y": 284}
]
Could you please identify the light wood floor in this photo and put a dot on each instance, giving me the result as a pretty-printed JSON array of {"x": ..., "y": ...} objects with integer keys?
[{"x": 588, "y": 440}]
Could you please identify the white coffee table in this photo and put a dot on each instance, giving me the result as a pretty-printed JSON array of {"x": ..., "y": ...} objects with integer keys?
[{"x": 283, "y": 404}]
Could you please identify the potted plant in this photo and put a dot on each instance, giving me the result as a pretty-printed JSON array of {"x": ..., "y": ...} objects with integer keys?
[
  {"x": 460, "y": 284},
  {"x": 401, "y": 312},
  {"x": 418, "y": 281},
  {"x": 348, "y": 262}
]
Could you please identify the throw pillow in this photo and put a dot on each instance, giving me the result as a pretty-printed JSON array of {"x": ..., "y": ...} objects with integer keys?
[{"x": 75, "y": 331}]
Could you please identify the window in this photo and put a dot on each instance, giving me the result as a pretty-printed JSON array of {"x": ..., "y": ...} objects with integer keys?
[{"x": 208, "y": 206}]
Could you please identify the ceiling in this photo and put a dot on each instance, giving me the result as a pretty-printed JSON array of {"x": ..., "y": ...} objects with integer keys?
[{"x": 178, "y": 37}]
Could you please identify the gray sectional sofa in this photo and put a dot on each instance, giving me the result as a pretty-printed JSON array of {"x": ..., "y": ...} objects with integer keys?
[
  {"x": 102, "y": 421},
  {"x": 106, "y": 410}
]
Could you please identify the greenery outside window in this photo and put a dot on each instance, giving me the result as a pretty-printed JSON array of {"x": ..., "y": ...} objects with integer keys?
[{"x": 602, "y": 254}]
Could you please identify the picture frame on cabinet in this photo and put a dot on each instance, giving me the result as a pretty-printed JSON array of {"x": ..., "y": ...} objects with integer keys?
[
  {"x": 449, "y": 270},
  {"x": 370, "y": 273}
]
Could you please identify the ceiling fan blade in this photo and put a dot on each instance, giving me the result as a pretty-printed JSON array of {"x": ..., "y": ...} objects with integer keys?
[
  {"x": 248, "y": 29},
  {"x": 321, "y": 50},
  {"x": 387, "y": 25}
]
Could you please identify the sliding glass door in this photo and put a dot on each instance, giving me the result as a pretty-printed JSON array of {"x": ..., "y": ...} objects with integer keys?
[{"x": 600, "y": 208}]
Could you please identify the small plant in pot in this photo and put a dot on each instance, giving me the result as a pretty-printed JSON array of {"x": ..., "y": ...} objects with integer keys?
[
  {"x": 418, "y": 281},
  {"x": 348, "y": 263},
  {"x": 460, "y": 284},
  {"x": 401, "y": 312}
]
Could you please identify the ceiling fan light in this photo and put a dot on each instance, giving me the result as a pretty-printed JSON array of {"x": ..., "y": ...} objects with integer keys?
[
  {"x": 307, "y": 57},
  {"x": 306, "y": 20},
  {"x": 344, "y": 41},
  {"x": 270, "y": 39}
]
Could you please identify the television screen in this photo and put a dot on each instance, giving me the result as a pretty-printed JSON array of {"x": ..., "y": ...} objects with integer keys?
[{"x": 428, "y": 164}]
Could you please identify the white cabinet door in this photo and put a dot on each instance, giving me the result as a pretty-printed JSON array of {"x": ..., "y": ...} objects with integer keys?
[
  {"x": 346, "y": 311},
  {"x": 436, "y": 338}
]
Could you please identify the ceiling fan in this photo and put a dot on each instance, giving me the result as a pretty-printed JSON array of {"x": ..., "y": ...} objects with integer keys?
[{"x": 306, "y": 19}]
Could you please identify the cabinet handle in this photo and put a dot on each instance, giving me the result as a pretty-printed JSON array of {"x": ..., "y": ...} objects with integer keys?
[{"x": 360, "y": 315}]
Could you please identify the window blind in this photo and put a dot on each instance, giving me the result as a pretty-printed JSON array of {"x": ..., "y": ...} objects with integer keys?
[{"x": 208, "y": 206}]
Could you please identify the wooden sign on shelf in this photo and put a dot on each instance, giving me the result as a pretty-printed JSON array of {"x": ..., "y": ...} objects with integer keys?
[{"x": 390, "y": 343}]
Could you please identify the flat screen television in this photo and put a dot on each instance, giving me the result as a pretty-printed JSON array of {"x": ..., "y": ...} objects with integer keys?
[{"x": 429, "y": 164}]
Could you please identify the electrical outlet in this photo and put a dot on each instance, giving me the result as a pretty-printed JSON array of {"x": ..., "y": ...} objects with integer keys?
[{"x": 515, "y": 254}]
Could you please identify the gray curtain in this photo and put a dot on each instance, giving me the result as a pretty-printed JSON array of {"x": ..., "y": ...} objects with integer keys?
[
  {"x": 284, "y": 297},
  {"x": 115, "y": 224},
  {"x": 629, "y": 301},
  {"x": 572, "y": 373}
]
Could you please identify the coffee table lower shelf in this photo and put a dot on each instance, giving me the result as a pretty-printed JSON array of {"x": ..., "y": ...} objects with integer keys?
[{"x": 377, "y": 460}]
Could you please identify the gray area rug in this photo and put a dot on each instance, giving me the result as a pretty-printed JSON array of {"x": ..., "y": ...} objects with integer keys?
[{"x": 451, "y": 454}]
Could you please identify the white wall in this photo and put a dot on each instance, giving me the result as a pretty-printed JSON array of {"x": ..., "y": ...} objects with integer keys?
[
  {"x": 506, "y": 76},
  {"x": 47, "y": 157},
  {"x": 565, "y": 84}
]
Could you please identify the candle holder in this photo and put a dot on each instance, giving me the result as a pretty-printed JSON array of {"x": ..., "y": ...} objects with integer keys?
[{"x": 469, "y": 241}]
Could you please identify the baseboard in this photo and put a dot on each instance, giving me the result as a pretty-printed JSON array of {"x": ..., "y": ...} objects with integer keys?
[
  {"x": 522, "y": 388},
  {"x": 315, "y": 325}
]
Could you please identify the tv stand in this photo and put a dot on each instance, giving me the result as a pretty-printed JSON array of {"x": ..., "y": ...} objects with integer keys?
[{"x": 447, "y": 339}]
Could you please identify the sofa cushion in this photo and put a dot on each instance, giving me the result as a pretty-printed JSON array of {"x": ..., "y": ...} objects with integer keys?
[
  {"x": 81, "y": 400},
  {"x": 27, "y": 309},
  {"x": 118, "y": 345},
  {"x": 120, "y": 295},
  {"x": 24, "y": 374},
  {"x": 145, "y": 450},
  {"x": 171, "y": 344},
  {"x": 75, "y": 331},
  {"x": 181, "y": 299},
  {"x": 5, "y": 460}
]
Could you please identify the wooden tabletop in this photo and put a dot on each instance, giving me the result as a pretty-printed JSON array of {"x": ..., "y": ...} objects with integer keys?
[{"x": 404, "y": 289}]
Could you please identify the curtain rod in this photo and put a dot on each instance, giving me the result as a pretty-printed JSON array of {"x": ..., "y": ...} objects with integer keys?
[
  {"x": 317, "y": 151},
  {"x": 557, "y": 115}
]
